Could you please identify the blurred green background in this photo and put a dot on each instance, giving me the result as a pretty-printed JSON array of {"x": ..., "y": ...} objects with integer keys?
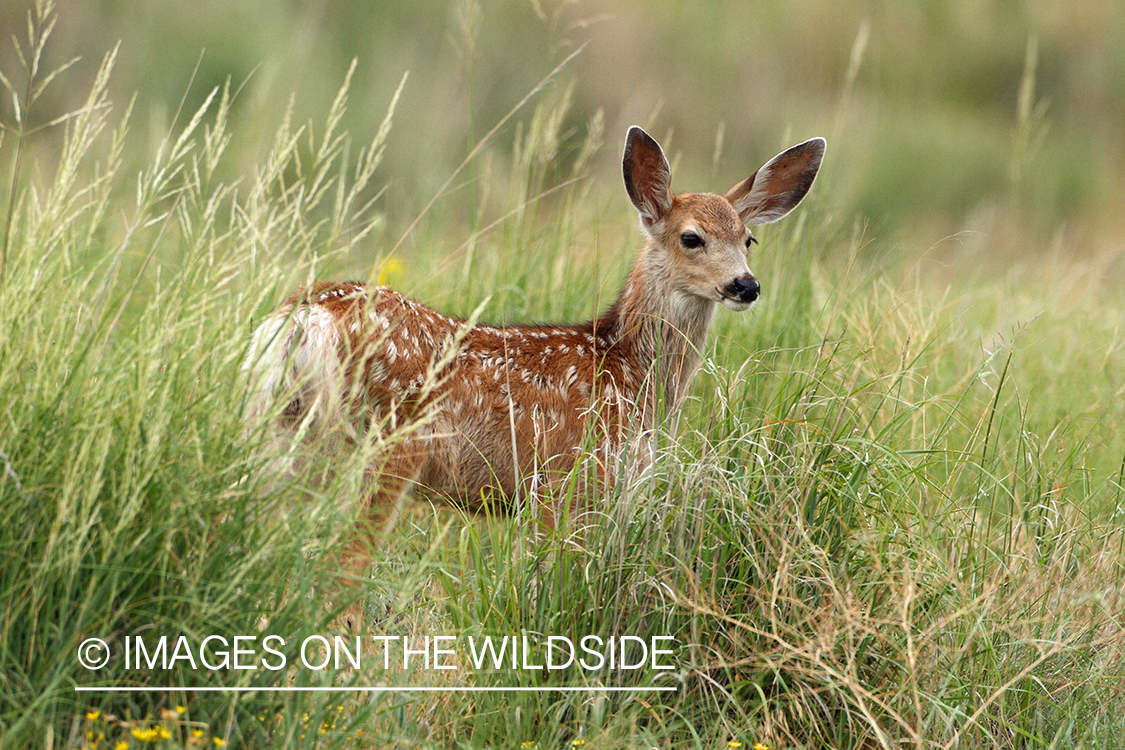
[{"x": 933, "y": 149}]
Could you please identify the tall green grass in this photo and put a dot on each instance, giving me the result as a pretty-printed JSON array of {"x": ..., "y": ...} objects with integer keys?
[{"x": 888, "y": 517}]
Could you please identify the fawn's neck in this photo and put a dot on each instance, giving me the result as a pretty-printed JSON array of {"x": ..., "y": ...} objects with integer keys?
[{"x": 659, "y": 331}]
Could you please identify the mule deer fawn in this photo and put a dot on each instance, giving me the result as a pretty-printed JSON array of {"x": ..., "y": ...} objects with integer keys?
[{"x": 506, "y": 410}]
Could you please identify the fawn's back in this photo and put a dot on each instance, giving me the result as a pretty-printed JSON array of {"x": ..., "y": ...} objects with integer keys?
[{"x": 476, "y": 410}]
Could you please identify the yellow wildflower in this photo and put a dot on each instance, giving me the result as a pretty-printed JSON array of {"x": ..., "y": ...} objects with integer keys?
[
  {"x": 122, "y": 745},
  {"x": 93, "y": 715},
  {"x": 197, "y": 733},
  {"x": 218, "y": 742},
  {"x": 760, "y": 746},
  {"x": 149, "y": 735},
  {"x": 734, "y": 743},
  {"x": 391, "y": 266},
  {"x": 180, "y": 710}
]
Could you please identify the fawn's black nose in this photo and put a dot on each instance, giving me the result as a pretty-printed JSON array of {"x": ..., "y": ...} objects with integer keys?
[{"x": 746, "y": 288}]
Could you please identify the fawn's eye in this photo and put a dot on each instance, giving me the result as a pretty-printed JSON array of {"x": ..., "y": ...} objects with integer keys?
[
  {"x": 691, "y": 240},
  {"x": 750, "y": 240}
]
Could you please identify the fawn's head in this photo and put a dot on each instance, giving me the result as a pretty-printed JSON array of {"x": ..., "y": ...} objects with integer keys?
[{"x": 702, "y": 238}]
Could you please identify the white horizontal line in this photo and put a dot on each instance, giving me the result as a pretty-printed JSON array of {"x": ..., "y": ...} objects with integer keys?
[{"x": 373, "y": 689}]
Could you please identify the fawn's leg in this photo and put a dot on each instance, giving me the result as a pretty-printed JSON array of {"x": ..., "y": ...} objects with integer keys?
[{"x": 394, "y": 478}]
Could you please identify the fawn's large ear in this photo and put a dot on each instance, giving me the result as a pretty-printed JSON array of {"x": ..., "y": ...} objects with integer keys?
[
  {"x": 779, "y": 185},
  {"x": 647, "y": 176}
]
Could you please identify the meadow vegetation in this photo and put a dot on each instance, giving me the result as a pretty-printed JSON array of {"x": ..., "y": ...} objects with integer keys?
[{"x": 892, "y": 513}]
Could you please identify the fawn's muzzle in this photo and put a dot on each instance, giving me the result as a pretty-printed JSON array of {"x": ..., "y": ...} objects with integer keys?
[{"x": 744, "y": 289}]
